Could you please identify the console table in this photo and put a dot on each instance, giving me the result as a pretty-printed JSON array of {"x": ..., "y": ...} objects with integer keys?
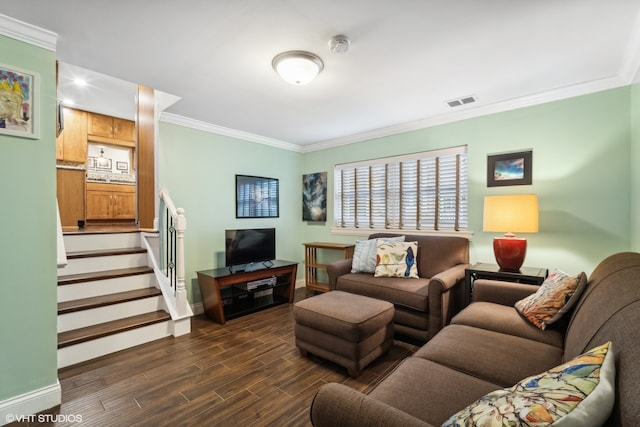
[
  {"x": 223, "y": 298},
  {"x": 312, "y": 265},
  {"x": 526, "y": 275}
]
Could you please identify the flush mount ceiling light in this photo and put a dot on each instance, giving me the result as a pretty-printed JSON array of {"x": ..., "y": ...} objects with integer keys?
[{"x": 297, "y": 67}]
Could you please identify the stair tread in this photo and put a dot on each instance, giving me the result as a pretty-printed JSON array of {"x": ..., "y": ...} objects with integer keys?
[
  {"x": 107, "y": 299},
  {"x": 101, "y": 275},
  {"x": 88, "y": 333},
  {"x": 94, "y": 253}
]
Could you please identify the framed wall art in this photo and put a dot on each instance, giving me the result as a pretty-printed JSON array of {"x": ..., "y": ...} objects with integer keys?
[
  {"x": 256, "y": 197},
  {"x": 19, "y": 113},
  {"x": 314, "y": 197},
  {"x": 509, "y": 169},
  {"x": 103, "y": 164}
]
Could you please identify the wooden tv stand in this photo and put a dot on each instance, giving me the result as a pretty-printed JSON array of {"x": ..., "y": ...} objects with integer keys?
[{"x": 222, "y": 300}]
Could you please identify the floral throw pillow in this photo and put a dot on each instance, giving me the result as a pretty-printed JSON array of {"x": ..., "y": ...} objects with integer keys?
[
  {"x": 557, "y": 295},
  {"x": 397, "y": 260},
  {"x": 364, "y": 254},
  {"x": 577, "y": 393}
]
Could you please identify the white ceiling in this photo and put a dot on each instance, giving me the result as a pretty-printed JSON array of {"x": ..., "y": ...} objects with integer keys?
[{"x": 407, "y": 58}]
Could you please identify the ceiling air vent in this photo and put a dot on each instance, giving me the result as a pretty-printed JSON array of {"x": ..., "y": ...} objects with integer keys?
[{"x": 461, "y": 101}]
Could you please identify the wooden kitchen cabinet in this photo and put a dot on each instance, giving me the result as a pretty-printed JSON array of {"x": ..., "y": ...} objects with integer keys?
[
  {"x": 124, "y": 129},
  {"x": 99, "y": 204},
  {"x": 124, "y": 205},
  {"x": 110, "y": 201},
  {"x": 112, "y": 130},
  {"x": 71, "y": 144},
  {"x": 99, "y": 125},
  {"x": 70, "y": 192}
]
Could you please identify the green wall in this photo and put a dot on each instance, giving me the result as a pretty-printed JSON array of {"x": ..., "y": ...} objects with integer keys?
[
  {"x": 635, "y": 170},
  {"x": 198, "y": 169},
  {"x": 28, "y": 249},
  {"x": 581, "y": 174}
]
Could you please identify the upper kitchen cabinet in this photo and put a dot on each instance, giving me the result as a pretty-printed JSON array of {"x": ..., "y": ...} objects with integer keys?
[
  {"x": 71, "y": 144},
  {"x": 111, "y": 130}
]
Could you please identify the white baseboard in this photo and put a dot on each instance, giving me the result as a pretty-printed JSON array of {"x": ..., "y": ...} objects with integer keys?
[
  {"x": 181, "y": 326},
  {"x": 30, "y": 403}
]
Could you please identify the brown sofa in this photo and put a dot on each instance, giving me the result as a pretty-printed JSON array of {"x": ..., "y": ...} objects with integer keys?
[
  {"x": 489, "y": 346},
  {"x": 423, "y": 306}
]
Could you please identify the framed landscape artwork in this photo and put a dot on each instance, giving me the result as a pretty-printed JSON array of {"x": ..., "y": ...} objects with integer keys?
[
  {"x": 509, "y": 169},
  {"x": 314, "y": 197},
  {"x": 18, "y": 113}
]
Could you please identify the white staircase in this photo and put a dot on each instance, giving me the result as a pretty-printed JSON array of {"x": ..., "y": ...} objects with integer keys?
[{"x": 108, "y": 297}]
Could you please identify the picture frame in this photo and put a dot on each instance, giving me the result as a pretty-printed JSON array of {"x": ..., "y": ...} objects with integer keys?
[
  {"x": 509, "y": 169},
  {"x": 314, "y": 197},
  {"x": 103, "y": 164},
  {"x": 19, "y": 95},
  {"x": 122, "y": 166},
  {"x": 257, "y": 197},
  {"x": 91, "y": 162}
]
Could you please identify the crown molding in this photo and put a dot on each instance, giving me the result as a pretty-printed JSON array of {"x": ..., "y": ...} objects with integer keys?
[
  {"x": 233, "y": 133},
  {"x": 631, "y": 68},
  {"x": 28, "y": 33},
  {"x": 479, "y": 111}
]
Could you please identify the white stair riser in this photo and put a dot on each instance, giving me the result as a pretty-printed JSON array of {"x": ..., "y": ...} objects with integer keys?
[
  {"x": 88, "y": 242},
  {"x": 94, "y": 316},
  {"x": 103, "y": 263},
  {"x": 71, "y": 355},
  {"x": 104, "y": 287}
]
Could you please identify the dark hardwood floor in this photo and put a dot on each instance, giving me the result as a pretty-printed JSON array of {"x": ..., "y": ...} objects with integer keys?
[{"x": 247, "y": 372}]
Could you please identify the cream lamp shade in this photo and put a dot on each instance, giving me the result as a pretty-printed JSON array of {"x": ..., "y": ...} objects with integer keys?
[
  {"x": 510, "y": 214},
  {"x": 517, "y": 213},
  {"x": 297, "y": 67}
]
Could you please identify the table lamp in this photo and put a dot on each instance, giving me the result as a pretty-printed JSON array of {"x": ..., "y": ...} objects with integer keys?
[{"x": 517, "y": 213}]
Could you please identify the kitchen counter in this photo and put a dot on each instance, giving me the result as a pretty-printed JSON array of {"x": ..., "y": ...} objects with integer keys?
[{"x": 111, "y": 178}]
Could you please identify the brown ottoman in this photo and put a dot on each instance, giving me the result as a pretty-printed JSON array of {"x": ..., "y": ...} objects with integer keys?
[{"x": 348, "y": 329}]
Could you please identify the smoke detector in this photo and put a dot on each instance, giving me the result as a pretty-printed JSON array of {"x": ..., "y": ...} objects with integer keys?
[{"x": 339, "y": 44}]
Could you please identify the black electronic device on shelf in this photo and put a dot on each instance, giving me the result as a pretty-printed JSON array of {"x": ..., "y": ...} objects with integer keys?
[
  {"x": 251, "y": 296},
  {"x": 226, "y": 295},
  {"x": 249, "y": 249}
]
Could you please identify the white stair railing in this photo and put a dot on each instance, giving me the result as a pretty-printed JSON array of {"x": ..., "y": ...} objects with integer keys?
[{"x": 171, "y": 250}]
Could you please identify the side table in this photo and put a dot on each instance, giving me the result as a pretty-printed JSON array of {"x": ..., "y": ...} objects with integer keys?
[
  {"x": 526, "y": 275},
  {"x": 312, "y": 265}
]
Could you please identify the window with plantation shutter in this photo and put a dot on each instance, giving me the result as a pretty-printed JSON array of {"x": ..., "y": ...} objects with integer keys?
[{"x": 417, "y": 192}]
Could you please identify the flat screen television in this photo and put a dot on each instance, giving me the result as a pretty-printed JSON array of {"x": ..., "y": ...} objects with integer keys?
[{"x": 250, "y": 247}]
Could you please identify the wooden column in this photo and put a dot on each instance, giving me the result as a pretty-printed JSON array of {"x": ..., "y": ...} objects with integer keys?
[{"x": 146, "y": 157}]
